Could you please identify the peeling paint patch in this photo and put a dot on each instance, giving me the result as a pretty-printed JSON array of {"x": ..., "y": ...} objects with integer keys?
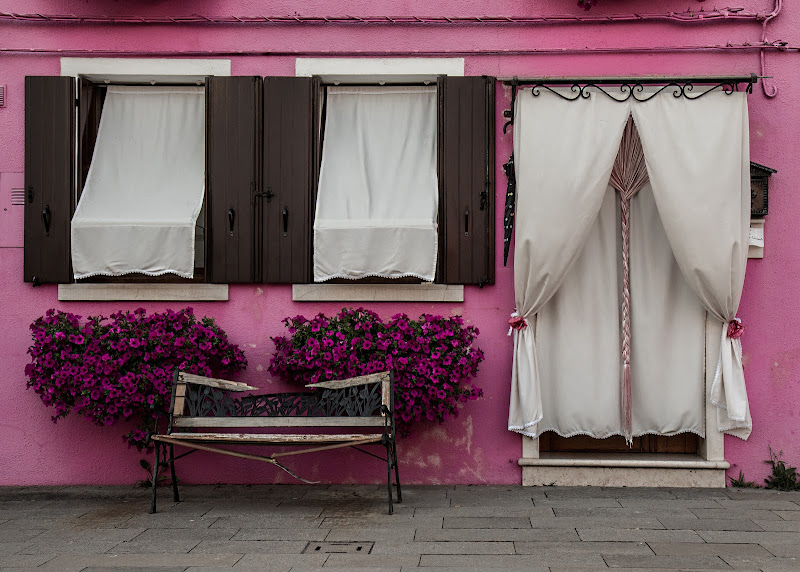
[
  {"x": 259, "y": 367},
  {"x": 252, "y": 345},
  {"x": 259, "y": 291},
  {"x": 435, "y": 460}
]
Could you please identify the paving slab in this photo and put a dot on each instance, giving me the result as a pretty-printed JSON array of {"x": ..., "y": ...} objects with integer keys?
[
  {"x": 750, "y": 537},
  {"x": 518, "y": 561},
  {"x": 251, "y": 546},
  {"x": 486, "y": 511},
  {"x": 764, "y": 503},
  {"x": 782, "y": 550},
  {"x": 779, "y": 525},
  {"x": 486, "y": 522},
  {"x": 625, "y": 512},
  {"x": 369, "y": 534},
  {"x": 228, "y": 522},
  {"x": 641, "y": 535},
  {"x": 391, "y": 548},
  {"x": 381, "y": 560},
  {"x": 584, "y": 502},
  {"x": 735, "y": 514},
  {"x": 787, "y": 514},
  {"x": 496, "y": 534},
  {"x": 762, "y": 563},
  {"x": 282, "y": 534},
  {"x": 706, "y": 549},
  {"x": 683, "y": 523},
  {"x": 24, "y": 560},
  {"x": 554, "y": 549},
  {"x": 69, "y": 562},
  {"x": 667, "y": 562}
]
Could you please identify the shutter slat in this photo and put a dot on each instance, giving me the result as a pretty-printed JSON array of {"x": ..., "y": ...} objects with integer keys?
[
  {"x": 288, "y": 178},
  {"x": 233, "y": 107},
  {"x": 466, "y": 170},
  {"x": 49, "y": 176}
]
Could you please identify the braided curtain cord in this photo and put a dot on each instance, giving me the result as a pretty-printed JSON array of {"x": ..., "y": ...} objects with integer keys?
[{"x": 628, "y": 177}]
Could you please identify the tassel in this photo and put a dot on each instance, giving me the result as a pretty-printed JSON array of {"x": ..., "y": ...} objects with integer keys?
[{"x": 627, "y": 408}]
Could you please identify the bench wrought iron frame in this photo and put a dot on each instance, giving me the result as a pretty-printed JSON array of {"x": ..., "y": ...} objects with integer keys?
[{"x": 200, "y": 404}]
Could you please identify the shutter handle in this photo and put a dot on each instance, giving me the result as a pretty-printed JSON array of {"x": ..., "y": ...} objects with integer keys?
[
  {"x": 231, "y": 219},
  {"x": 30, "y": 193},
  {"x": 46, "y": 219},
  {"x": 285, "y": 220},
  {"x": 466, "y": 222}
]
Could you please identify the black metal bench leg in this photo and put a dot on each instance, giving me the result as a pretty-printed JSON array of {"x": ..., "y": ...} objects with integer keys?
[
  {"x": 396, "y": 473},
  {"x": 155, "y": 477},
  {"x": 389, "y": 474},
  {"x": 175, "y": 496}
]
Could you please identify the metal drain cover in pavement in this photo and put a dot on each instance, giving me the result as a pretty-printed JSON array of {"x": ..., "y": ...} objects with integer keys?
[{"x": 338, "y": 548}]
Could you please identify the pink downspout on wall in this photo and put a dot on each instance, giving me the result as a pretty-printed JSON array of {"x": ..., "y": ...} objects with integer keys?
[{"x": 476, "y": 447}]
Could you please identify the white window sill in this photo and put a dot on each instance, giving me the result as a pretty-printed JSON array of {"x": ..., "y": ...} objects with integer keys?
[
  {"x": 377, "y": 293},
  {"x": 143, "y": 292}
]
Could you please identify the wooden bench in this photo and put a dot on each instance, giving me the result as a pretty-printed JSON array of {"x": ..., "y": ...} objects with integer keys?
[{"x": 208, "y": 415}]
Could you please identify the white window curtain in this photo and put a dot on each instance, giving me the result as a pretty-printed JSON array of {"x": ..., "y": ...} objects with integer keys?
[
  {"x": 700, "y": 163},
  {"x": 144, "y": 191},
  {"x": 378, "y": 195}
]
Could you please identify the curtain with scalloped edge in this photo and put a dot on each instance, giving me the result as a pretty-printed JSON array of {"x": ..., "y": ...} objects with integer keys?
[
  {"x": 698, "y": 155},
  {"x": 378, "y": 198},
  {"x": 145, "y": 187},
  {"x": 564, "y": 152}
]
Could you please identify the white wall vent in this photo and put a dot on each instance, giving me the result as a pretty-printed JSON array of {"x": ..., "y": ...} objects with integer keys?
[{"x": 2, "y": 95}]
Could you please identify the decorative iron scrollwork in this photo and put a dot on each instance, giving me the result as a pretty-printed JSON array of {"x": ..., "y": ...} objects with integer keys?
[
  {"x": 355, "y": 401},
  {"x": 636, "y": 90}
]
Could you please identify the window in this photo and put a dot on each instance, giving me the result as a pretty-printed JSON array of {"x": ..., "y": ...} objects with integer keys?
[{"x": 263, "y": 145}]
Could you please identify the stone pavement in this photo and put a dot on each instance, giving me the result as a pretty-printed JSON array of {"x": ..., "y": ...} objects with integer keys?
[{"x": 437, "y": 528}]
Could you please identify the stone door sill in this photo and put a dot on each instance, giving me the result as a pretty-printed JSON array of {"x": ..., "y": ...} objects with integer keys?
[{"x": 622, "y": 470}]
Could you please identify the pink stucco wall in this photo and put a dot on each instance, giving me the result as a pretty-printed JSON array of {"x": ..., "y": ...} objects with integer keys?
[{"x": 476, "y": 447}]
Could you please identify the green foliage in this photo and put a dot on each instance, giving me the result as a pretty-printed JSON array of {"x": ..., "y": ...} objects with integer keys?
[
  {"x": 783, "y": 477},
  {"x": 742, "y": 483}
]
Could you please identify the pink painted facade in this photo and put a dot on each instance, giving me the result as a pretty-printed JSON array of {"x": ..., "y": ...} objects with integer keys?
[{"x": 476, "y": 447}]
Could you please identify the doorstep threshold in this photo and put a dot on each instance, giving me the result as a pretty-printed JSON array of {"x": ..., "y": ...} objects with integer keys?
[{"x": 623, "y": 460}]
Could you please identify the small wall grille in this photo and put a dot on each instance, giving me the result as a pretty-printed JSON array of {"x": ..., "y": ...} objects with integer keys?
[
  {"x": 2, "y": 95},
  {"x": 18, "y": 197}
]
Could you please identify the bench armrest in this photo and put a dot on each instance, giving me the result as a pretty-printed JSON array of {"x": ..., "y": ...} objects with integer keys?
[
  {"x": 212, "y": 382},
  {"x": 342, "y": 383}
]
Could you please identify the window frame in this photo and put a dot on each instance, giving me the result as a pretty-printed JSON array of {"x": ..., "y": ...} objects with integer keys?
[{"x": 141, "y": 71}]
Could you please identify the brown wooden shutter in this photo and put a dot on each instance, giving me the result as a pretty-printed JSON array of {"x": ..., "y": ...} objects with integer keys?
[
  {"x": 466, "y": 180},
  {"x": 49, "y": 177},
  {"x": 233, "y": 149},
  {"x": 289, "y": 178}
]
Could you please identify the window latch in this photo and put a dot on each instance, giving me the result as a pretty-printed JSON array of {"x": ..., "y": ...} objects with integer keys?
[
  {"x": 268, "y": 194},
  {"x": 484, "y": 198},
  {"x": 30, "y": 193}
]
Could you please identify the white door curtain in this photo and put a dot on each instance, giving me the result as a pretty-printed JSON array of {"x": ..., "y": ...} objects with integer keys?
[
  {"x": 378, "y": 197},
  {"x": 697, "y": 155},
  {"x": 144, "y": 191}
]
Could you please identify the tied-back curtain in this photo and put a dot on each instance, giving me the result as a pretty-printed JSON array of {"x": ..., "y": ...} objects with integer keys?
[
  {"x": 564, "y": 152},
  {"x": 697, "y": 155},
  {"x": 378, "y": 196},
  {"x": 144, "y": 191}
]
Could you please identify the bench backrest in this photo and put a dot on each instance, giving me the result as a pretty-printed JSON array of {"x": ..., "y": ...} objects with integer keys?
[{"x": 353, "y": 402}]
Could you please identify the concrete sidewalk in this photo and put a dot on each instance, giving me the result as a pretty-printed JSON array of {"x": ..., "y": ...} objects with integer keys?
[{"x": 444, "y": 528}]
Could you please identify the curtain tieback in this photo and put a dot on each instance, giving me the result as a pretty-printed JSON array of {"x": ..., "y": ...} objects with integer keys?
[
  {"x": 735, "y": 329},
  {"x": 516, "y": 322}
]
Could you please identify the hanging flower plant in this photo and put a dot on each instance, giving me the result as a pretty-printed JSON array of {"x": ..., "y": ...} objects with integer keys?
[
  {"x": 121, "y": 367},
  {"x": 432, "y": 358}
]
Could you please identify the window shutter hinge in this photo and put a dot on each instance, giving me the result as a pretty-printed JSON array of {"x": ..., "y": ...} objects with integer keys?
[
  {"x": 485, "y": 197},
  {"x": 482, "y": 281}
]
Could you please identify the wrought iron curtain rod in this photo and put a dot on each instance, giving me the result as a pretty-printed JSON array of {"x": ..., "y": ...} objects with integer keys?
[
  {"x": 642, "y": 80},
  {"x": 628, "y": 87}
]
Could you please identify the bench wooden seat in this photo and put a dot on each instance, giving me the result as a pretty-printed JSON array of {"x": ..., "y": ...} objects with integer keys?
[
  {"x": 206, "y": 416},
  {"x": 258, "y": 439}
]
